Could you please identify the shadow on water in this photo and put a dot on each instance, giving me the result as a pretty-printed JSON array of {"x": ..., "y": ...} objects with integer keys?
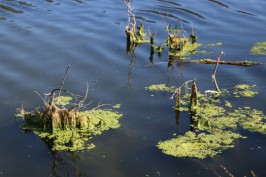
[{"x": 65, "y": 165}]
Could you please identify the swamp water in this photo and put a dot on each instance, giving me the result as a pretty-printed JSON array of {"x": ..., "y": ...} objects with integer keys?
[{"x": 40, "y": 38}]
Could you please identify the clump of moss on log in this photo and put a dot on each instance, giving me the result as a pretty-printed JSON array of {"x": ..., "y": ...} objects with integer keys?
[
  {"x": 136, "y": 36},
  {"x": 181, "y": 46},
  {"x": 68, "y": 129}
]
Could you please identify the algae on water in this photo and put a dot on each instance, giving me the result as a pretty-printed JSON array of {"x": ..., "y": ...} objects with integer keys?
[
  {"x": 160, "y": 87},
  {"x": 245, "y": 90},
  {"x": 69, "y": 130},
  {"x": 259, "y": 49},
  {"x": 215, "y": 124},
  {"x": 199, "y": 145}
]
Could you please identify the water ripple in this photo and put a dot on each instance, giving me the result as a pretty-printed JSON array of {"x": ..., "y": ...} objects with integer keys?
[
  {"x": 170, "y": 2},
  {"x": 10, "y": 9},
  {"x": 182, "y": 9},
  {"x": 219, "y": 3},
  {"x": 164, "y": 14}
]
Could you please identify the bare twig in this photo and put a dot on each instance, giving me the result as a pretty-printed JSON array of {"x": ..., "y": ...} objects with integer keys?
[
  {"x": 63, "y": 81},
  {"x": 214, "y": 72},
  {"x": 180, "y": 87},
  {"x": 51, "y": 97},
  {"x": 101, "y": 105},
  {"x": 43, "y": 99},
  {"x": 131, "y": 15},
  {"x": 81, "y": 103}
]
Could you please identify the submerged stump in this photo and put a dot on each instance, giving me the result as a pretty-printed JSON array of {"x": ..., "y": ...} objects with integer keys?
[{"x": 69, "y": 129}]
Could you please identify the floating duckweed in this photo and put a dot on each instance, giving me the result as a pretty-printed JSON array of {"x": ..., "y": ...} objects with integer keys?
[
  {"x": 228, "y": 104},
  {"x": 101, "y": 120},
  {"x": 215, "y": 123},
  {"x": 63, "y": 100},
  {"x": 160, "y": 87},
  {"x": 244, "y": 90},
  {"x": 199, "y": 145},
  {"x": 117, "y": 106},
  {"x": 259, "y": 49},
  {"x": 252, "y": 120}
]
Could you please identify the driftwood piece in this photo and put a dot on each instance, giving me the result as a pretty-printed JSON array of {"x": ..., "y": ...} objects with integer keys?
[
  {"x": 246, "y": 63},
  {"x": 238, "y": 63}
]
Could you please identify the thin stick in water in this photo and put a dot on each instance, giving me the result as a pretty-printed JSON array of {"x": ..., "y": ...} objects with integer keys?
[{"x": 63, "y": 81}]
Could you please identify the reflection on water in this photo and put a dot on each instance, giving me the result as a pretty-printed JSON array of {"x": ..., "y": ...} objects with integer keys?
[{"x": 65, "y": 165}]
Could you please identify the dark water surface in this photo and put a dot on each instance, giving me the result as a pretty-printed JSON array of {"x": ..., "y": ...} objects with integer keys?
[{"x": 39, "y": 38}]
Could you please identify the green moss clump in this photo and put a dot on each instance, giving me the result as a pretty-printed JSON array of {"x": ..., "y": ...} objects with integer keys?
[
  {"x": 259, "y": 49},
  {"x": 244, "y": 90},
  {"x": 181, "y": 46},
  {"x": 66, "y": 130},
  {"x": 136, "y": 37},
  {"x": 186, "y": 50},
  {"x": 217, "y": 44},
  {"x": 157, "y": 49},
  {"x": 160, "y": 87}
]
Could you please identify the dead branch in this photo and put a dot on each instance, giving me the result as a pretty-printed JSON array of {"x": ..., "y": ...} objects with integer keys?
[
  {"x": 210, "y": 61},
  {"x": 51, "y": 95},
  {"x": 214, "y": 72},
  {"x": 43, "y": 99},
  {"x": 131, "y": 23},
  {"x": 180, "y": 87},
  {"x": 100, "y": 105},
  {"x": 63, "y": 81},
  {"x": 81, "y": 103}
]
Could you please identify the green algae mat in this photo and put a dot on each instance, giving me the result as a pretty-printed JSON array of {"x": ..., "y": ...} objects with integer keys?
[
  {"x": 215, "y": 123},
  {"x": 68, "y": 129}
]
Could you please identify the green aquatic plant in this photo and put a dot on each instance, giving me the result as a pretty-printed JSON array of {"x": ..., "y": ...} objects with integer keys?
[
  {"x": 245, "y": 90},
  {"x": 251, "y": 119},
  {"x": 214, "y": 123},
  {"x": 160, "y": 87},
  {"x": 135, "y": 34},
  {"x": 217, "y": 44},
  {"x": 69, "y": 129},
  {"x": 259, "y": 49},
  {"x": 200, "y": 145},
  {"x": 63, "y": 100},
  {"x": 185, "y": 50},
  {"x": 181, "y": 46}
]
